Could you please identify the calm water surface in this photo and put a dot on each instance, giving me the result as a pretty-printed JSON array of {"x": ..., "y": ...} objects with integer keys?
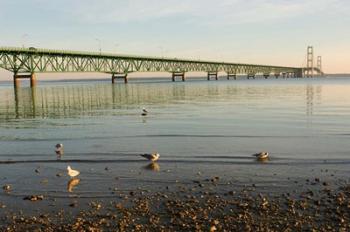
[{"x": 198, "y": 126}]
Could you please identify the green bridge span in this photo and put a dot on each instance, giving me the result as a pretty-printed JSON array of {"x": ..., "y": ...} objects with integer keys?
[{"x": 25, "y": 62}]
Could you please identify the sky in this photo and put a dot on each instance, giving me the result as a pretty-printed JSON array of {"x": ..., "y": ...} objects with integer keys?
[{"x": 274, "y": 32}]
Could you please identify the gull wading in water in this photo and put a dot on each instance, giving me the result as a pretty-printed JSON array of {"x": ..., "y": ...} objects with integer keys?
[
  {"x": 262, "y": 155},
  {"x": 59, "y": 148},
  {"x": 144, "y": 112},
  {"x": 72, "y": 173},
  {"x": 152, "y": 157}
]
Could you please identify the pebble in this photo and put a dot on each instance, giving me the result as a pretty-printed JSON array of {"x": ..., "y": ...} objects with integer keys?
[
  {"x": 34, "y": 198},
  {"x": 231, "y": 193},
  {"x": 73, "y": 205}
]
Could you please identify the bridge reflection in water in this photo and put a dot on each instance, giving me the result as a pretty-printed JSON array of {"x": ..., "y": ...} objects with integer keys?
[{"x": 93, "y": 100}]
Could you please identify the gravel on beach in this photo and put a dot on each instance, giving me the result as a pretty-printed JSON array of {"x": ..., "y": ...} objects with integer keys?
[{"x": 195, "y": 209}]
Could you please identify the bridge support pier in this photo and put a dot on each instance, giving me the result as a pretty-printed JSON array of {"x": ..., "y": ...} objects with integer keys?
[
  {"x": 231, "y": 75},
  {"x": 266, "y": 75},
  {"x": 299, "y": 74},
  {"x": 178, "y": 74},
  {"x": 32, "y": 80},
  {"x": 212, "y": 74},
  {"x": 119, "y": 76},
  {"x": 251, "y": 75},
  {"x": 277, "y": 75},
  {"x": 284, "y": 75},
  {"x": 17, "y": 81}
]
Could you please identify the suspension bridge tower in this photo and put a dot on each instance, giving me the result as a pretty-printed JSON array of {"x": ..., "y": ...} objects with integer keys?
[
  {"x": 310, "y": 61},
  {"x": 319, "y": 63}
]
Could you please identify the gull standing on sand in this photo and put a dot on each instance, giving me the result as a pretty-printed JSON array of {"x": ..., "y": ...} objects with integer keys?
[
  {"x": 144, "y": 112},
  {"x": 59, "y": 149},
  {"x": 72, "y": 173},
  {"x": 152, "y": 157},
  {"x": 262, "y": 155}
]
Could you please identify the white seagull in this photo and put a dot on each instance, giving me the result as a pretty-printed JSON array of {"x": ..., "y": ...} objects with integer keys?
[
  {"x": 72, "y": 173},
  {"x": 144, "y": 112},
  {"x": 59, "y": 148},
  {"x": 262, "y": 155},
  {"x": 152, "y": 157}
]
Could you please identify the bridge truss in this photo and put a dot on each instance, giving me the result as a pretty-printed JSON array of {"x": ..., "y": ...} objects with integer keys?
[{"x": 25, "y": 62}]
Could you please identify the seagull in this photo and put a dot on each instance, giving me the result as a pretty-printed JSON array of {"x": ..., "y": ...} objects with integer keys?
[
  {"x": 152, "y": 157},
  {"x": 262, "y": 155},
  {"x": 59, "y": 149},
  {"x": 144, "y": 112},
  {"x": 72, "y": 173}
]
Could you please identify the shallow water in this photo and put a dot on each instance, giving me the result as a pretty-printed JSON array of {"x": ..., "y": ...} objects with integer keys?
[{"x": 201, "y": 129}]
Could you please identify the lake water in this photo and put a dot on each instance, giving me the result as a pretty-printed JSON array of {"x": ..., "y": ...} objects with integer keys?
[{"x": 201, "y": 129}]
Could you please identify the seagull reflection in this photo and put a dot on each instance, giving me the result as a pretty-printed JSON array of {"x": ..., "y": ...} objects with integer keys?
[
  {"x": 152, "y": 167},
  {"x": 72, "y": 183}
]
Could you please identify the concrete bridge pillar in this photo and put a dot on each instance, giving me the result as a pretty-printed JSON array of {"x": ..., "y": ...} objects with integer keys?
[
  {"x": 251, "y": 75},
  {"x": 231, "y": 75},
  {"x": 17, "y": 79},
  {"x": 277, "y": 75},
  {"x": 212, "y": 74},
  {"x": 119, "y": 76},
  {"x": 299, "y": 73},
  {"x": 32, "y": 80},
  {"x": 178, "y": 74},
  {"x": 266, "y": 75},
  {"x": 284, "y": 75}
]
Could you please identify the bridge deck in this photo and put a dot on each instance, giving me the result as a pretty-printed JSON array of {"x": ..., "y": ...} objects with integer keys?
[
  {"x": 33, "y": 60},
  {"x": 24, "y": 60},
  {"x": 80, "y": 54}
]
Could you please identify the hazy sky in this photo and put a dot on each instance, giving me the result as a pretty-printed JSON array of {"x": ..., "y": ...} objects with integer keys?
[{"x": 247, "y": 31}]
